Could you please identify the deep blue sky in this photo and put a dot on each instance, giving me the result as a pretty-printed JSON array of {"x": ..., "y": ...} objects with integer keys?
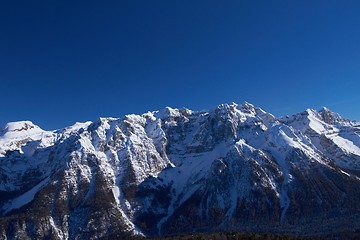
[{"x": 68, "y": 61}]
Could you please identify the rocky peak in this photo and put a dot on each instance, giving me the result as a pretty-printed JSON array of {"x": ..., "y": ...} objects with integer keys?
[
  {"x": 324, "y": 115},
  {"x": 247, "y": 108},
  {"x": 225, "y": 111},
  {"x": 329, "y": 117}
]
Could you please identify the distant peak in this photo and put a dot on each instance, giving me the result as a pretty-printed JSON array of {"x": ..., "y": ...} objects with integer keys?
[
  {"x": 245, "y": 103},
  {"x": 310, "y": 111},
  {"x": 102, "y": 120},
  {"x": 225, "y": 107},
  {"x": 19, "y": 126},
  {"x": 247, "y": 107},
  {"x": 324, "y": 109},
  {"x": 170, "y": 109},
  {"x": 15, "y": 129},
  {"x": 233, "y": 104},
  {"x": 328, "y": 116},
  {"x": 168, "y": 112},
  {"x": 324, "y": 114}
]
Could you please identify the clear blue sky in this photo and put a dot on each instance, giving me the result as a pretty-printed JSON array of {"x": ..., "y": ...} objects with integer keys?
[{"x": 68, "y": 61}]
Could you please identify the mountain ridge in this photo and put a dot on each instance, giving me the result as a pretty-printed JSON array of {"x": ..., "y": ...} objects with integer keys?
[{"x": 232, "y": 168}]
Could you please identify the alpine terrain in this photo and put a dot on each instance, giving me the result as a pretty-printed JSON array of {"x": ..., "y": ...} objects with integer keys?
[{"x": 235, "y": 168}]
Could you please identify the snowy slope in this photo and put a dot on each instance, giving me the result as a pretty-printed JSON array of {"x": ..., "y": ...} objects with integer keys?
[{"x": 332, "y": 135}]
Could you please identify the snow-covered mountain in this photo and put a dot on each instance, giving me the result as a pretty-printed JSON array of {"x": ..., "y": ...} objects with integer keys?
[{"x": 233, "y": 168}]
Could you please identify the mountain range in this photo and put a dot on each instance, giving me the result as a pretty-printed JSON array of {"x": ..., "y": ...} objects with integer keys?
[{"x": 235, "y": 168}]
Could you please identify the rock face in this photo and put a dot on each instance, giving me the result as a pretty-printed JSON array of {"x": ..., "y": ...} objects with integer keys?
[{"x": 234, "y": 168}]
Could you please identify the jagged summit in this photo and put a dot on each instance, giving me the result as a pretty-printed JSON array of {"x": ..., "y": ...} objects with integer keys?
[
  {"x": 324, "y": 114},
  {"x": 247, "y": 108},
  {"x": 231, "y": 168},
  {"x": 330, "y": 117}
]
